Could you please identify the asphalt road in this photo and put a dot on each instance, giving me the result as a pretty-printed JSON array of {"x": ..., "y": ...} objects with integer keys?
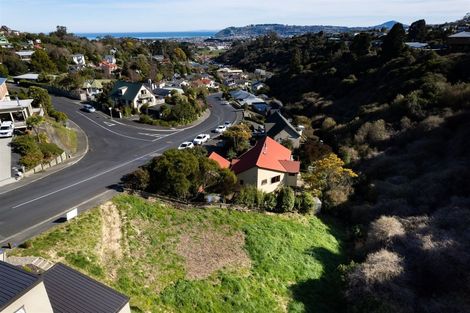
[{"x": 115, "y": 149}]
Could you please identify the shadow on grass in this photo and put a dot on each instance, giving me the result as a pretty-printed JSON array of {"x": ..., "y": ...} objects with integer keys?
[{"x": 325, "y": 293}]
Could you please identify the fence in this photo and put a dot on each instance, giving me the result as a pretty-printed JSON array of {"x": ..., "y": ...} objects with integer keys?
[{"x": 41, "y": 167}]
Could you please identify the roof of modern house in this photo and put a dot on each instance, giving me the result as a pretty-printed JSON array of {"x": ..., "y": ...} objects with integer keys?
[
  {"x": 15, "y": 104},
  {"x": 131, "y": 92},
  {"x": 70, "y": 291},
  {"x": 25, "y": 53},
  {"x": 31, "y": 76},
  {"x": 460, "y": 35},
  {"x": 2, "y": 80},
  {"x": 278, "y": 123},
  {"x": 15, "y": 282},
  {"x": 223, "y": 162},
  {"x": 267, "y": 154},
  {"x": 95, "y": 83}
]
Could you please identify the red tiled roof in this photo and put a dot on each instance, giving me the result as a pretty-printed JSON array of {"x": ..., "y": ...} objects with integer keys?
[
  {"x": 223, "y": 163},
  {"x": 267, "y": 154}
]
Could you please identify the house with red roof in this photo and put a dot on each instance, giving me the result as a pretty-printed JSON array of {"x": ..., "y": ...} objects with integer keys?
[{"x": 267, "y": 166}]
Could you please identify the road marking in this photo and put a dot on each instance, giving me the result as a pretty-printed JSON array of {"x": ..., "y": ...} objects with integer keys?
[
  {"x": 109, "y": 124},
  {"x": 53, "y": 218},
  {"x": 151, "y": 135},
  {"x": 116, "y": 133},
  {"x": 89, "y": 178}
]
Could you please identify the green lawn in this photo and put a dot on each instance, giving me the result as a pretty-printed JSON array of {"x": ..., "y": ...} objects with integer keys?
[{"x": 170, "y": 260}]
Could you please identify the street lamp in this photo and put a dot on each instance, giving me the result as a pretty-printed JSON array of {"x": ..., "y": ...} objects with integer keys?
[{"x": 110, "y": 112}]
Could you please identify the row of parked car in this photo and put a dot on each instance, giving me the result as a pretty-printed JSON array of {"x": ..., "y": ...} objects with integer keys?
[{"x": 203, "y": 138}]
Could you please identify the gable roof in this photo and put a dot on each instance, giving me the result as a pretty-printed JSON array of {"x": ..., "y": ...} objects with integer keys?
[
  {"x": 2, "y": 80},
  {"x": 223, "y": 162},
  {"x": 275, "y": 123},
  {"x": 14, "y": 282},
  {"x": 70, "y": 291},
  {"x": 131, "y": 92},
  {"x": 267, "y": 154}
]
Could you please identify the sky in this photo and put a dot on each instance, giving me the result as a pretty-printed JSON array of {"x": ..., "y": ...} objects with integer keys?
[{"x": 191, "y": 15}]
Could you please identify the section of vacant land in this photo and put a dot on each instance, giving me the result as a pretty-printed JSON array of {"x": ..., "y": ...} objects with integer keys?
[{"x": 202, "y": 260}]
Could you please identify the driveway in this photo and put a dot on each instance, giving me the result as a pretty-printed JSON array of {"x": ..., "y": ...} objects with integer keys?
[{"x": 5, "y": 159}]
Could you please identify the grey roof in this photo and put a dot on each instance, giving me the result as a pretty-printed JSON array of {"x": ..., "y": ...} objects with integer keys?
[
  {"x": 2, "y": 80},
  {"x": 70, "y": 291},
  {"x": 131, "y": 92},
  {"x": 32, "y": 76},
  {"x": 14, "y": 282},
  {"x": 275, "y": 123},
  {"x": 460, "y": 35}
]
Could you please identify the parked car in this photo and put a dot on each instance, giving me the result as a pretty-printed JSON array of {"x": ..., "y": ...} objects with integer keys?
[
  {"x": 220, "y": 129},
  {"x": 89, "y": 108},
  {"x": 186, "y": 145},
  {"x": 202, "y": 138},
  {"x": 225, "y": 102},
  {"x": 228, "y": 124},
  {"x": 6, "y": 129}
]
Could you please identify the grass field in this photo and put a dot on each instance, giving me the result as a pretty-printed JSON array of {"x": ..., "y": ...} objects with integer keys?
[{"x": 202, "y": 260}]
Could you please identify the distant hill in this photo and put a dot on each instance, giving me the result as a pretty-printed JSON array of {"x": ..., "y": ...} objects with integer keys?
[{"x": 290, "y": 30}]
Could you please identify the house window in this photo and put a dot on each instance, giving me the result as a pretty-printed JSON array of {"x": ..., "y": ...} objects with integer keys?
[
  {"x": 241, "y": 182},
  {"x": 21, "y": 310},
  {"x": 264, "y": 182},
  {"x": 143, "y": 91},
  {"x": 276, "y": 179},
  {"x": 292, "y": 174}
]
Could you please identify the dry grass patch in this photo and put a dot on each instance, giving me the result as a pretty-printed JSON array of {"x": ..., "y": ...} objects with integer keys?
[{"x": 208, "y": 251}]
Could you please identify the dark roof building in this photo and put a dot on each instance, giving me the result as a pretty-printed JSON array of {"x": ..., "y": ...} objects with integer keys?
[
  {"x": 58, "y": 290},
  {"x": 279, "y": 128},
  {"x": 73, "y": 292},
  {"x": 134, "y": 95}
]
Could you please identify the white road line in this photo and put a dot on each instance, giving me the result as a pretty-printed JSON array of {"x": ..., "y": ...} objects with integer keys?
[
  {"x": 111, "y": 131},
  {"x": 89, "y": 178},
  {"x": 109, "y": 124},
  {"x": 53, "y": 217}
]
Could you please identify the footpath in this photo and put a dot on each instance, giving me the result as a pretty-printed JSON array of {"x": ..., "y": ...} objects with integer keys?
[{"x": 82, "y": 149}]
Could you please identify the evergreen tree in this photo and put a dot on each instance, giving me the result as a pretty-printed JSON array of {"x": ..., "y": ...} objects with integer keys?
[{"x": 393, "y": 43}]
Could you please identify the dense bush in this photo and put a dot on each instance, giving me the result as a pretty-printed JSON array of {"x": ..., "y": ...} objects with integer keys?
[
  {"x": 50, "y": 150},
  {"x": 285, "y": 200}
]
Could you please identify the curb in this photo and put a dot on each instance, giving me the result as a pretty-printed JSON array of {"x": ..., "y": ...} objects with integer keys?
[{"x": 52, "y": 170}]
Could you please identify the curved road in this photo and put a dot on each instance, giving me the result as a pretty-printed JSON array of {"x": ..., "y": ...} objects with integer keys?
[{"x": 115, "y": 149}]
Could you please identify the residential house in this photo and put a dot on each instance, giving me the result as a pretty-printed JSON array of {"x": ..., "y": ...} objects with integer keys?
[
  {"x": 79, "y": 59},
  {"x": 60, "y": 289},
  {"x": 4, "y": 43},
  {"x": 206, "y": 82},
  {"x": 92, "y": 88},
  {"x": 18, "y": 111},
  {"x": 268, "y": 165},
  {"x": 134, "y": 95},
  {"x": 459, "y": 41},
  {"x": 417, "y": 45},
  {"x": 25, "y": 55},
  {"x": 4, "y": 95},
  {"x": 110, "y": 59},
  {"x": 279, "y": 128},
  {"x": 108, "y": 68},
  {"x": 243, "y": 97},
  {"x": 223, "y": 163},
  {"x": 258, "y": 86}
]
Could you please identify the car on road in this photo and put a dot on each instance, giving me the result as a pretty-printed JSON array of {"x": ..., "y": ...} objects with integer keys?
[
  {"x": 225, "y": 102},
  {"x": 220, "y": 129},
  {"x": 88, "y": 108},
  {"x": 202, "y": 138},
  {"x": 6, "y": 129},
  {"x": 228, "y": 124},
  {"x": 186, "y": 145}
]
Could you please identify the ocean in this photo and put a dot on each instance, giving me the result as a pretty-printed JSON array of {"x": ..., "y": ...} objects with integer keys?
[{"x": 151, "y": 35}]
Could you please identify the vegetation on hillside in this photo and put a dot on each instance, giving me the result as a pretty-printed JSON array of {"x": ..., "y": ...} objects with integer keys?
[
  {"x": 202, "y": 260},
  {"x": 400, "y": 118}
]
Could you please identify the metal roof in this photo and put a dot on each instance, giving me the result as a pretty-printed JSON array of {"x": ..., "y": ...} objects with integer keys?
[
  {"x": 70, "y": 291},
  {"x": 460, "y": 35},
  {"x": 14, "y": 282}
]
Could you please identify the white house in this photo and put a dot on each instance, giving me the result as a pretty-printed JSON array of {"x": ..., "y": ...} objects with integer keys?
[
  {"x": 79, "y": 59},
  {"x": 25, "y": 55},
  {"x": 134, "y": 95}
]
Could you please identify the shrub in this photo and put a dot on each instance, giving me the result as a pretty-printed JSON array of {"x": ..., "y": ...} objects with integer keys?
[
  {"x": 306, "y": 203},
  {"x": 23, "y": 144},
  {"x": 250, "y": 197},
  {"x": 285, "y": 200},
  {"x": 33, "y": 158},
  {"x": 138, "y": 180},
  {"x": 270, "y": 202},
  {"x": 372, "y": 132},
  {"x": 59, "y": 117},
  {"x": 50, "y": 150},
  {"x": 384, "y": 229},
  {"x": 328, "y": 123}
]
